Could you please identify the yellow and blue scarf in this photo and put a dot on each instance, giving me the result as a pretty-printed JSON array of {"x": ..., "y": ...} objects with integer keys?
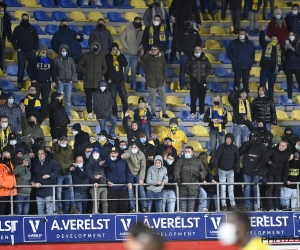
[
  {"x": 162, "y": 35},
  {"x": 116, "y": 63},
  {"x": 268, "y": 55},
  {"x": 217, "y": 114},
  {"x": 244, "y": 110},
  {"x": 37, "y": 102},
  {"x": 4, "y": 136}
]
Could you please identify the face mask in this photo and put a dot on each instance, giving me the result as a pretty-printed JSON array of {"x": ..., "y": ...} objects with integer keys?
[
  {"x": 6, "y": 160},
  {"x": 137, "y": 25},
  {"x": 13, "y": 142},
  {"x": 169, "y": 162},
  {"x": 65, "y": 26},
  {"x": 143, "y": 140},
  {"x": 87, "y": 155},
  {"x": 242, "y": 37},
  {"x": 113, "y": 158},
  {"x": 278, "y": 16},
  {"x": 25, "y": 21},
  {"x": 80, "y": 165},
  {"x": 123, "y": 147},
  {"x": 197, "y": 54},
  {"x": 32, "y": 124},
  {"x": 101, "y": 138},
  {"x": 134, "y": 151},
  {"x": 10, "y": 101},
  {"x": 63, "y": 145},
  {"x": 74, "y": 132},
  {"x": 100, "y": 26},
  {"x": 173, "y": 127},
  {"x": 253, "y": 140},
  {"x": 43, "y": 54},
  {"x": 273, "y": 43},
  {"x": 158, "y": 167},
  {"x": 155, "y": 23},
  {"x": 64, "y": 53},
  {"x": 187, "y": 156},
  {"x": 4, "y": 125},
  {"x": 188, "y": 25},
  {"x": 292, "y": 38},
  {"x": 294, "y": 12},
  {"x": 227, "y": 234},
  {"x": 95, "y": 50},
  {"x": 112, "y": 142},
  {"x": 96, "y": 156},
  {"x": 216, "y": 103},
  {"x": 297, "y": 147},
  {"x": 103, "y": 89}
]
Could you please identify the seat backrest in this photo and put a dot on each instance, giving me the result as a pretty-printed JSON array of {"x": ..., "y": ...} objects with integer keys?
[
  {"x": 58, "y": 15},
  {"x": 87, "y": 29},
  {"x": 212, "y": 44},
  {"x": 113, "y": 15},
  {"x": 38, "y": 28},
  {"x": 75, "y": 28},
  {"x": 75, "y": 15},
  {"x": 51, "y": 28},
  {"x": 217, "y": 30}
]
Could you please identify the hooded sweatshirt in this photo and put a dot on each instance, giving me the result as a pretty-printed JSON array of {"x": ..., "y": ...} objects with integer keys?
[
  {"x": 23, "y": 176},
  {"x": 103, "y": 103},
  {"x": 136, "y": 163},
  {"x": 57, "y": 113},
  {"x": 155, "y": 175}
]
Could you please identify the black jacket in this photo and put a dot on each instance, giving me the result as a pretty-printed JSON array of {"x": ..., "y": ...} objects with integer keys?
[
  {"x": 265, "y": 135},
  {"x": 41, "y": 72},
  {"x": 93, "y": 168},
  {"x": 163, "y": 46},
  {"x": 12, "y": 150},
  {"x": 235, "y": 4},
  {"x": 58, "y": 116},
  {"x": 292, "y": 57},
  {"x": 208, "y": 117},
  {"x": 111, "y": 71},
  {"x": 148, "y": 150},
  {"x": 294, "y": 173},
  {"x": 293, "y": 23},
  {"x": 198, "y": 68},
  {"x": 6, "y": 27},
  {"x": 161, "y": 148},
  {"x": 79, "y": 176},
  {"x": 104, "y": 150},
  {"x": 81, "y": 142},
  {"x": 170, "y": 174},
  {"x": 25, "y": 37},
  {"x": 103, "y": 37},
  {"x": 263, "y": 110},
  {"x": 187, "y": 40},
  {"x": 132, "y": 136}
]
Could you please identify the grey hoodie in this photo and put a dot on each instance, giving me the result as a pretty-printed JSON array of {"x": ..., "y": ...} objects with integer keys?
[
  {"x": 23, "y": 176},
  {"x": 154, "y": 175}
]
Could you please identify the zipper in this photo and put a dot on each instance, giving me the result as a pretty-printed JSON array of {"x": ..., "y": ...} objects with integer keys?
[{"x": 199, "y": 71}]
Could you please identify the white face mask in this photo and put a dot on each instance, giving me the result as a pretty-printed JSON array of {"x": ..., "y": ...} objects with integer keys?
[
  {"x": 63, "y": 145},
  {"x": 10, "y": 101},
  {"x": 169, "y": 162},
  {"x": 96, "y": 156},
  {"x": 13, "y": 142},
  {"x": 122, "y": 147},
  {"x": 101, "y": 138},
  {"x": 75, "y": 132},
  {"x": 155, "y": 23},
  {"x": 242, "y": 37},
  {"x": 262, "y": 96},
  {"x": 227, "y": 234},
  {"x": 134, "y": 151},
  {"x": 197, "y": 54},
  {"x": 103, "y": 89},
  {"x": 80, "y": 165},
  {"x": 4, "y": 125},
  {"x": 294, "y": 12},
  {"x": 277, "y": 16},
  {"x": 113, "y": 158},
  {"x": 87, "y": 155},
  {"x": 292, "y": 38},
  {"x": 64, "y": 53}
]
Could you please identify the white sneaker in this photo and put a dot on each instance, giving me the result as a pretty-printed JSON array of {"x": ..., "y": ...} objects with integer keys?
[
  {"x": 205, "y": 210},
  {"x": 290, "y": 101},
  {"x": 85, "y": 2},
  {"x": 98, "y": 3},
  {"x": 201, "y": 116},
  {"x": 90, "y": 116},
  {"x": 193, "y": 115}
]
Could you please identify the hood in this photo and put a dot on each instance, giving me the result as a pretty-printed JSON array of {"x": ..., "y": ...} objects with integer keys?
[
  {"x": 63, "y": 46},
  {"x": 265, "y": 90},
  {"x": 288, "y": 129},
  {"x": 54, "y": 95},
  {"x": 4, "y": 6},
  {"x": 258, "y": 141},
  {"x": 95, "y": 42},
  {"x": 114, "y": 45},
  {"x": 229, "y": 135},
  {"x": 26, "y": 156},
  {"x": 159, "y": 157}
]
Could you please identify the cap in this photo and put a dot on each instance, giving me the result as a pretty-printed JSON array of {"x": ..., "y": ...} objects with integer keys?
[
  {"x": 63, "y": 138},
  {"x": 20, "y": 150},
  {"x": 76, "y": 127},
  {"x": 96, "y": 150},
  {"x": 103, "y": 132},
  {"x": 168, "y": 139},
  {"x": 102, "y": 84},
  {"x": 141, "y": 99},
  {"x": 12, "y": 136},
  {"x": 115, "y": 45},
  {"x": 10, "y": 94},
  {"x": 174, "y": 120},
  {"x": 43, "y": 47},
  {"x": 114, "y": 150}
]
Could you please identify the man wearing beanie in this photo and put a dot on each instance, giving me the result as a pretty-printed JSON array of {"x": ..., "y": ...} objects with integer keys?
[
  {"x": 5, "y": 31},
  {"x": 12, "y": 146},
  {"x": 81, "y": 140},
  {"x": 42, "y": 73},
  {"x": 115, "y": 61}
]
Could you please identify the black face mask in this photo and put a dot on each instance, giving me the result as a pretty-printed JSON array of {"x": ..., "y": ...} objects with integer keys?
[
  {"x": 25, "y": 22},
  {"x": 6, "y": 160},
  {"x": 65, "y": 26},
  {"x": 188, "y": 25},
  {"x": 100, "y": 26},
  {"x": 253, "y": 140},
  {"x": 217, "y": 103},
  {"x": 32, "y": 124},
  {"x": 95, "y": 50},
  {"x": 32, "y": 95},
  {"x": 137, "y": 25}
]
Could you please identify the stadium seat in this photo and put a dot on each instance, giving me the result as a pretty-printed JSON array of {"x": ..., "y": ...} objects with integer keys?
[
  {"x": 296, "y": 130},
  {"x": 133, "y": 100},
  {"x": 185, "y": 116},
  {"x": 167, "y": 88},
  {"x": 280, "y": 4},
  {"x": 203, "y": 32},
  {"x": 94, "y": 16},
  {"x": 85, "y": 44},
  {"x": 187, "y": 101},
  {"x": 142, "y": 71},
  {"x": 78, "y": 16},
  {"x": 18, "y": 15},
  {"x": 174, "y": 101},
  {"x": 75, "y": 116},
  {"x": 10, "y": 16},
  {"x": 87, "y": 29},
  {"x": 255, "y": 71},
  {"x": 30, "y": 4},
  {"x": 218, "y": 31},
  {"x": 2, "y": 74},
  {"x": 38, "y": 29},
  {"x": 169, "y": 113},
  {"x": 105, "y": 5},
  {"x": 226, "y": 43},
  {"x": 277, "y": 89},
  {"x": 283, "y": 101},
  {"x": 46, "y": 130},
  {"x": 122, "y": 27},
  {"x": 212, "y": 44},
  {"x": 7, "y": 58},
  {"x": 222, "y": 72},
  {"x": 141, "y": 87},
  {"x": 79, "y": 86},
  {"x": 168, "y": 3},
  {"x": 48, "y": 4},
  {"x": 40, "y": 15},
  {"x": 12, "y": 3},
  {"x": 129, "y": 16},
  {"x": 298, "y": 99},
  {"x": 184, "y": 129},
  {"x": 58, "y": 15},
  {"x": 158, "y": 129},
  {"x": 253, "y": 87},
  {"x": 197, "y": 146},
  {"x": 120, "y": 131},
  {"x": 131, "y": 115},
  {"x": 138, "y": 4},
  {"x": 175, "y": 86},
  {"x": 8, "y": 86},
  {"x": 115, "y": 17},
  {"x": 295, "y": 115},
  {"x": 26, "y": 85},
  {"x": 229, "y": 117},
  {"x": 77, "y": 100},
  {"x": 208, "y": 100},
  {"x": 225, "y": 101},
  {"x": 67, "y": 4},
  {"x": 224, "y": 59},
  {"x": 51, "y": 29},
  {"x": 46, "y": 41},
  {"x": 85, "y": 116},
  {"x": 12, "y": 70},
  {"x": 216, "y": 87},
  {"x": 219, "y": 19},
  {"x": 277, "y": 131},
  {"x": 211, "y": 58},
  {"x": 75, "y": 28},
  {"x": 284, "y": 87},
  {"x": 18, "y": 98},
  {"x": 112, "y": 30},
  {"x": 157, "y": 102},
  {"x": 282, "y": 116},
  {"x": 87, "y": 129},
  {"x": 257, "y": 57},
  {"x": 122, "y": 4},
  {"x": 199, "y": 131}
]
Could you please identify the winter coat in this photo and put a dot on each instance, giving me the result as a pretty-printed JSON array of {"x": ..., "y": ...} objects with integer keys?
[
  {"x": 49, "y": 167},
  {"x": 68, "y": 36},
  {"x": 241, "y": 54},
  {"x": 208, "y": 117},
  {"x": 64, "y": 156},
  {"x": 294, "y": 173},
  {"x": 292, "y": 57},
  {"x": 23, "y": 176},
  {"x": 30, "y": 110},
  {"x": 179, "y": 138},
  {"x": 111, "y": 73},
  {"x": 187, "y": 40},
  {"x": 79, "y": 177},
  {"x": 12, "y": 150},
  {"x": 198, "y": 68},
  {"x": 170, "y": 174},
  {"x": 136, "y": 163},
  {"x": 263, "y": 109},
  {"x": 104, "y": 149},
  {"x": 293, "y": 23},
  {"x": 6, "y": 27},
  {"x": 275, "y": 30},
  {"x": 94, "y": 68},
  {"x": 131, "y": 39},
  {"x": 34, "y": 132},
  {"x": 103, "y": 37},
  {"x": 103, "y": 103},
  {"x": 132, "y": 136},
  {"x": 155, "y": 175},
  {"x": 265, "y": 135},
  {"x": 57, "y": 110},
  {"x": 163, "y": 46},
  {"x": 137, "y": 117},
  {"x": 235, "y": 4},
  {"x": 7, "y": 179},
  {"x": 81, "y": 142},
  {"x": 161, "y": 148},
  {"x": 156, "y": 68},
  {"x": 93, "y": 168},
  {"x": 41, "y": 72},
  {"x": 65, "y": 66},
  {"x": 14, "y": 116},
  {"x": 189, "y": 171},
  {"x": 147, "y": 148},
  {"x": 151, "y": 11}
]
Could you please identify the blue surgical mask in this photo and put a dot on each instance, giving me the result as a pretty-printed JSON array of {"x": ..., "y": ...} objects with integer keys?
[
  {"x": 278, "y": 16},
  {"x": 143, "y": 140},
  {"x": 169, "y": 162},
  {"x": 101, "y": 138},
  {"x": 13, "y": 142},
  {"x": 297, "y": 147},
  {"x": 123, "y": 147},
  {"x": 87, "y": 155},
  {"x": 187, "y": 156},
  {"x": 64, "y": 53},
  {"x": 80, "y": 165},
  {"x": 134, "y": 151},
  {"x": 10, "y": 101}
]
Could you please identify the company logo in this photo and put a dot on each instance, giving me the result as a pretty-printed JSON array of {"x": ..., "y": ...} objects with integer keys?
[
  {"x": 296, "y": 222},
  {"x": 212, "y": 224},
  {"x": 122, "y": 225},
  {"x": 34, "y": 229}
]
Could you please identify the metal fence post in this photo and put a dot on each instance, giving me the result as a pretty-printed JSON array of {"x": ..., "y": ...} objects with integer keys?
[
  {"x": 11, "y": 202},
  {"x": 53, "y": 199},
  {"x": 95, "y": 201},
  {"x": 137, "y": 198},
  {"x": 218, "y": 196},
  {"x": 177, "y": 197},
  {"x": 258, "y": 195},
  {"x": 298, "y": 195}
]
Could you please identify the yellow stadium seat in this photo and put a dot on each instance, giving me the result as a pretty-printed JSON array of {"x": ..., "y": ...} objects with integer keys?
[
  {"x": 211, "y": 58},
  {"x": 229, "y": 117},
  {"x": 253, "y": 86},
  {"x": 119, "y": 43},
  {"x": 129, "y": 16},
  {"x": 255, "y": 71},
  {"x": 277, "y": 131},
  {"x": 212, "y": 44},
  {"x": 120, "y": 131},
  {"x": 174, "y": 101},
  {"x": 94, "y": 16},
  {"x": 168, "y": 3},
  {"x": 298, "y": 99},
  {"x": 175, "y": 86},
  {"x": 8, "y": 45},
  {"x": 118, "y": 100},
  {"x": 218, "y": 31},
  {"x": 225, "y": 100},
  {"x": 218, "y": 17},
  {"x": 295, "y": 115},
  {"x": 112, "y": 30},
  {"x": 85, "y": 116},
  {"x": 30, "y": 4},
  {"x": 122, "y": 28},
  {"x": 79, "y": 86},
  {"x": 169, "y": 113},
  {"x": 277, "y": 89},
  {"x": 18, "y": 15},
  {"x": 282, "y": 116},
  {"x": 71, "y": 143},
  {"x": 78, "y": 16},
  {"x": 50, "y": 143},
  {"x": 199, "y": 131},
  {"x": 46, "y": 130},
  {"x": 138, "y": 4},
  {"x": 197, "y": 146},
  {"x": 133, "y": 100},
  {"x": 257, "y": 57},
  {"x": 203, "y": 32},
  {"x": 280, "y": 4},
  {"x": 75, "y": 116},
  {"x": 260, "y": 18},
  {"x": 131, "y": 114},
  {"x": 69, "y": 133},
  {"x": 159, "y": 129},
  {"x": 7, "y": 58},
  {"x": 127, "y": 86},
  {"x": 87, "y": 129},
  {"x": 53, "y": 54},
  {"x": 15, "y": 56},
  {"x": 26, "y": 85},
  {"x": 208, "y": 16},
  {"x": 2, "y": 74}
]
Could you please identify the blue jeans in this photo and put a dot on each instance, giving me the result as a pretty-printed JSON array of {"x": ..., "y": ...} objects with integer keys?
[
  {"x": 268, "y": 75},
  {"x": 282, "y": 197},
  {"x": 169, "y": 199},
  {"x": 187, "y": 203},
  {"x": 69, "y": 195},
  {"x": 112, "y": 120},
  {"x": 66, "y": 87},
  {"x": 253, "y": 179},
  {"x": 146, "y": 128},
  {"x": 157, "y": 198},
  {"x": 132, "y": 62},
  {"x": 241, "y": 134},
  {"x": 213, "y": 198},
  {"x": 81, "y": 201},
  {"x": 202, "y": 199},
  {"x": 227, "y": 176},
  {"x": 45, "y": 202},
  {"x": 22, "y": 207},
  {"x": 213, "y": 137},
  {"x": 183, "y": 60},
  {"x": 142, "y": 193}
]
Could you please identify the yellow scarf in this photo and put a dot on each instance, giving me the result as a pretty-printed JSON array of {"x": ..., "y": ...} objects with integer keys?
[
  {"x": 244, "y": 110},
  {"x": 116, "y": 63},
  {"x": 37, "y": 103},
  {"x": 4, "y": 136},
  {"x": 162, "y": 35},
  {"x": 255, "y": 5},
  {"x": 268, "y": 55},
  {"x": 217, "y": 114}
]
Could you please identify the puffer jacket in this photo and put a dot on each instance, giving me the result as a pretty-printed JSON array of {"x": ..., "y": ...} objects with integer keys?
[
  {"x": 7, "y": 179},
  {"x": 57, "y": 113},
  {"x": 198, "y": 68},
  {"x": 64, "y": 156},
  {"x": 136, "y": 163},
  {"x": 23, "y": 176},
  {"x": 293, "y": 23},
  {"x": 179, "y": 138},
  {"x": 103, "y": 104},
  {"x": 189, "y": 171},
  {"x": 14, "y": 116},
  {"x": 155, "y": 175}
]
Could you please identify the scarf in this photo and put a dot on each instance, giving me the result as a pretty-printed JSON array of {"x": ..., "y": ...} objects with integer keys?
[
  {"x": 244, "y": 110},
  {"x": 37, "y": 102},
  {"x": 255, "y": 5},
  {"x": 116, "y": 64},
  {"x": 162, "y": 35},
  {"x": 268, "y": 54},
  {"x": 4, "y": 136},
  {"x": 1, "y": 24},
  {"x": 217, "y": 114},
  {"x": 279, "y": 22}
]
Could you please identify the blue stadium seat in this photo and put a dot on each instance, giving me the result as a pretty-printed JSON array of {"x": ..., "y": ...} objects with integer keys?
[
  {"x": 167, "y": 89},
  {"x": 283, "y": 101},
  {"x": 46, "y": 41},
  {"x": 208, "y": 100},
  {"x": 77, "y": 100},
  {"x": 115, "y": 17},
  {"x": 12, "y": 70},
  {"x": 87, "y": 29},
  {"x": 12, "y": 3},
  {"x": 224, "y": 59},
  {"x": 121, "y": 4},
  {"x": 18, "y": 98},
  {"x": 67, "y": 4},
  {"x": 187, "y": 133},
  {"x": 48, "y": 4},
  {"x": 79, "y": 3},
  {"x": 185, "y": 116},
  {"x": 167, "y": 57},
  {"x": 58, "y": 15},
  {"x": 284, "y": 87},
  {"x": 248, "y": 32},
  {"x": 8, "y": 86},
  {"x": 12, "y": 18},
  {"x": 40, "y": 15},
  {"x": 106, "y": 5},
  {"x": 38, "y": 29},
  {"x": 141, "y": 87},
  {"x": 230, "y": 86},
  {"x": 216, "y": 87},
  {"x": 187, "y": 101},
  {"x": 75, "y": 28},
  {"x": 296, "y": 130},
  {"x": 257, "y": 47},
  {"x": 157, "y": 103},
  {"x": 222, "y": 72},
  {"x": 142, "y": 71},
  {"x": 51, "y": 29},
  {"x": 85, "y": 44},
  {"x": 171, "y": 74},
  {"x": 226, "y": 43}
]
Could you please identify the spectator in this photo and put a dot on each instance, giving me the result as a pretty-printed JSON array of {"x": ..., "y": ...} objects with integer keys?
[
  {"x": 63, "y": 154},
  {"x": 188, "y": 169},
  {"x": 66, "y": 74},
  {"x": 143, "y": 115},
  {"x": 12, "y": 147},
  {"x": 277, "y": 27},
  {"x": 5, "y": 32},
  {"x": 241, "y": 53},
  {"x": 32, "y": 104},
  {"x": 202, "y": 195},
  {"x": 96, "y": 2},
  {"x": 156, "y": 33},
  {"x": 254, "y": 7},
  {"x": 263, "y": 109},
  {"x": 291, "y": 138},
  {"x": 226, "y": 161},
  {"x": 133, "y": 132},
  {"x": 96, "y": 174},
  {"x": 25, "y": 41},
  {"x": 177, "y": 135},
  {"x": 115, "y": 61},
  {"x": 45, "y": 172},
  {"x": 156, "y": 76},
  {"x": 255, "y": 157},
  {"x": 87, "y": 153},
  {"x": 137, "y": 164},
  {"x": 103, "y": 144},
  {"x": 187, "y": 40},
  {"x": 292, "y": 63},
  {"x": 241, "y": 108},
  {"x": 198, "y": 68},
  {"x": 23, "y": 176},
  {"x": 265, "y": 14},
  {"x": 235, "y": 7},
  {"x": 94, "y": 67},
  {"x": 7, "y": 180},
  {"x": 81, "y": 140},
  {"x": 79, "y": 177},
  {"x": 56, "y": 109},
  {"x": 157, "y": 177},
  {"x": 293, "y": 20},
  {"x": 5, "y": 130},
  {"x": 147, "y": 148},
  {"x": 20, "y": 152},
  {"x": 211, "y": 190},
  {"x": 40, "y": 69},
  {"x": 165, "y": 146},
  {"x": 103, "y": 36},
  {"x": 123, "y": 146},
  {"x": 103, "y": 107},
  {"x": 278, "y": 172},
  {"x": 117, "y": 172},
  {"x": 131, "y": 39},
  {"x": 216, "y": 116},
  {"x": 12, "y": 111},
  {"x": 3, "y": 96}
]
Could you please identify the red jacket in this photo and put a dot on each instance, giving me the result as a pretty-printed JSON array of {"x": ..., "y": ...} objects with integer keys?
[
  {"x": 7, "y": 180},
  {"x": 280, "y": 32}
]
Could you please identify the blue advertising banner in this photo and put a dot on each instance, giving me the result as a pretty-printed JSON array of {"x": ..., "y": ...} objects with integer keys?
[{"x": 112, "y": 227}]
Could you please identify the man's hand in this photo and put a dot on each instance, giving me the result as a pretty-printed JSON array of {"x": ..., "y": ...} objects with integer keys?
[
  {"x": 110, "y": 184},
  {"x": 46, "y": 176},
  {"x": 118, "y": 52},
  {"x": 78, "y": 37},
  {"x": 129, "y": 185},
  {"x": 97, "y": 176},
  {"x": 216, "y": 121},
  {"x": 127, "y": 113},
  {"x": 109, "y": 81},
  {"x": 22, "y": 107},
  {"x": 182, "y": 53},
  {"x": 198, "y": 26},
  {"x": 53, "y": 84},
  {"x": 101, "y": 163},
  {"x": 204, "y": 182},
  {"x": 214, "y": 182},
  {"x": 34, "y": 81},
  {"x": 288, "y": 183},
  {"x": 54, "y": 140},
  {"x": 291, "y": 157},
  {"x": 173, "y": 19},
  {"x": 38, "y": 185},
  {"x": 123, "y": 156},
  {"x": 159, "y": 183},
  {"x": 142, "y": 52},
  {"x": 141, "y": 183},
  {"x": 18, "y": 49},
  {"x": 72, "y": 168},
  {"x": 96, "y": 185},
  {"x": 272, "y": 126}
]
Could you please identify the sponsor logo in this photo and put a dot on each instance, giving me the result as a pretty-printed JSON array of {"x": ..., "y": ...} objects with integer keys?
[
  {"x": 212, "y": 224},
  {"x": 122, "y": 225},
  {"x": 34, "y": 229}
]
